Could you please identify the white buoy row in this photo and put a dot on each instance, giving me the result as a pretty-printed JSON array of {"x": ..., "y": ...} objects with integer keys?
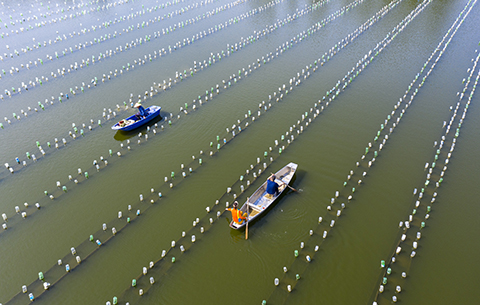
[
  {"x": 228, "y": 193},
  {"x": 73, "y": 134},
  {"x": 298, "y": 131},
  {"x": 411, "y": 243},
  {"x": 335, "y": 92},
  {"x": 140, "y": 62},
  {"x": 303, "y": 72},
  {"x": 109, "y": 53},
  {"x": 60, "y": 186},
  {"x": 23, "y": 20},
  {"x": 128, "y": 219},
  {"x": 342, "y": 10},
  {"x": 94, "y": 81}
]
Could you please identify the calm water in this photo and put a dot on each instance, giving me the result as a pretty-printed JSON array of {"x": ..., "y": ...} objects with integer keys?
[{"x": 221, "y": 266}]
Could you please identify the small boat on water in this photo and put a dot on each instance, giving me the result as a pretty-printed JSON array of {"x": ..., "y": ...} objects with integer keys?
[
  {"x": 260, "y": 200},
  {"x": 136, "y": 120}
]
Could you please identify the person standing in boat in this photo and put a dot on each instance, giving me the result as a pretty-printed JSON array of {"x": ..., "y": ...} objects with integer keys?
[
  {"x": 142, "y": 113},
  {"x": 237, "y": 215},
  {"x": 272, "y": 187}
]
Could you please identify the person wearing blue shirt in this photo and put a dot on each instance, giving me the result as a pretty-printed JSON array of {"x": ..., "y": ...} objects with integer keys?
[
  {"x": 141, "y": 111},
  {"x": 272, "y": 187}
]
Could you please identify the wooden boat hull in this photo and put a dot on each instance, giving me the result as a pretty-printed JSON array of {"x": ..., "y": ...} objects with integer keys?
[
  {"x": 133, "y": 122},
  {"x": 258, "y": 203}
]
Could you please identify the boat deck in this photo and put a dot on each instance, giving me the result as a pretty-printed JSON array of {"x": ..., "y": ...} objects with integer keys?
[{"x": 262, "y": 202}]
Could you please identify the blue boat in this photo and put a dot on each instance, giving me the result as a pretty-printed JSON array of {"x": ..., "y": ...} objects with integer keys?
[{"x": 136, "y": 120}]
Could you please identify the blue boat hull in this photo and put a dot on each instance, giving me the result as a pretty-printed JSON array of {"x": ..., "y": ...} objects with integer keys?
[{"x": 133, "y": 122}]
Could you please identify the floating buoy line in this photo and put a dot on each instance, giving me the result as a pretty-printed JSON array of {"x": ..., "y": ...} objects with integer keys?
[
  {"x": 107, "y": 36},
  {"x": 248, "y": 115},
  {"x": 123, "y": 218},
  {"x": 287, "y": 283},
  {"x": 158, "y": 267},
  {"x": 94, "y": 81},
  {"x": 64, "y": 186},
  {"x": 276, "y": 143},
  {"x": 141, "y": 61},
  {"x": 139, "y": 41},
  {"x": 77, "y": 132},
  {"x": 397, "y": 267},
  {"x": 327, "y": 103},
  {"x": 166, "y": 85},
  {"x": 132, "y": 15},
  {"x": 23, "y": 20},
  {"x": 280, "y": 49}
]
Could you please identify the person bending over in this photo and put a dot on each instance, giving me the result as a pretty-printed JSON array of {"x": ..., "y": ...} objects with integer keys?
[{"x": 237, "y": 215}]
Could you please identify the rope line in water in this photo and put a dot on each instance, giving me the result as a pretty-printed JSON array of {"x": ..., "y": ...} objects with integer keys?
[
  {"x": 307, "y": 123},
  {"x": 159, "y": 267},
  {"x": 302, "y": 73},
  {"x": 398, "y": 267},
  {"x": 192, "y": 70},
  {"x": 108, "y": 53},
  {"x": 83, "y": 30},
  {"x": 331, "y": 17},
  {"x": 178, "y": 45},
  {"x": 417, "y": 218},
  {"x": 24, "y": 20},
  {"x": 288, "y": 282},
  {"x": 319, "y": 24},
  {"x": 13, "y": 169},
  {"x": 302, "y": 264}
]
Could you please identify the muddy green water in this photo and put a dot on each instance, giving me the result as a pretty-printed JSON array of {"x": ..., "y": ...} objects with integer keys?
[{"x": 222, "y": 267}]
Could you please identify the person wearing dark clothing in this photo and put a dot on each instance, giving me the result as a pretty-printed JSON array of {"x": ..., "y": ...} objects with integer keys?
[
  {"x": 272, "y": 186},
  {"x": 142, "y": 113}
]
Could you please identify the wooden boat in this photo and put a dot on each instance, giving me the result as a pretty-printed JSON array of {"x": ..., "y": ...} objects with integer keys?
[
  {"x": 260, "y": 201},
  {"x": 136, "y": 120}
]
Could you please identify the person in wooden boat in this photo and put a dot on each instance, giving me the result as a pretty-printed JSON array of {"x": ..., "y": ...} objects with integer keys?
[
  {"x": 237, "y": 215},
  {"x": 142, "y": 113},
  {"x": 272, "y": 187}
]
